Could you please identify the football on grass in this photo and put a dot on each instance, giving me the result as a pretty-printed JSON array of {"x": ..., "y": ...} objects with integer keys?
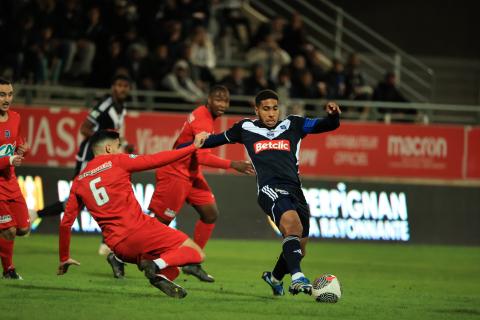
[{"x": 327, "y": 288}]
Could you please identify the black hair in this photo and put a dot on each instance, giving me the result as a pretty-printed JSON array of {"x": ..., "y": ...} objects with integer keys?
[
  {"x": 264, "y": 95},
  {"x": 4, "y": 81},
  {"x": 121, "y": 77},
  {"x": 102, "y": 135},
  {"x": 218, "y": 89}
]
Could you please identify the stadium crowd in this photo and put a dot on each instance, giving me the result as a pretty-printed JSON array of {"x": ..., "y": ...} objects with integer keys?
[{"x": 173, "y": 45}]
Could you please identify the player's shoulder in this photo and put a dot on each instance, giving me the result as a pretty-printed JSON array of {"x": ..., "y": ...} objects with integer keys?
[
  {"x": 246, "y": 121},
  {"x": 104, "y": 103},
  {"x": 13, "y": 114}
]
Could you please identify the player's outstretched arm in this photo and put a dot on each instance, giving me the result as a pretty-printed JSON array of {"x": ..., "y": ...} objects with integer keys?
[
  {"x": 147, "y": 162},
  {"x": 72, "y": 209},
  {"x": 15, "y": 160},
  {"x": 329, "y": 123}
]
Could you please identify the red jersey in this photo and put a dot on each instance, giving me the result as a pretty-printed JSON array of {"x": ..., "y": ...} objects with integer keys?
[
  {"x": 201, "y": 119},
  {"x": 10, "y": 139},
  {"x": 104, "y": 187}
]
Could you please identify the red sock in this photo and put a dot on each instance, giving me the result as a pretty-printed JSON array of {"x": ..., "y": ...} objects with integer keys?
[
  {"x": 6, "y": 253},
  {"x": 202, "y": 233},
  {"x": 170, "y": 272},
  {"x": 181, "y": 256}
]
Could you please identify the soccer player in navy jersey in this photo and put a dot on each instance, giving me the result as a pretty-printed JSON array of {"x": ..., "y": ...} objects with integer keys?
[{"x": 273, "y": 146}]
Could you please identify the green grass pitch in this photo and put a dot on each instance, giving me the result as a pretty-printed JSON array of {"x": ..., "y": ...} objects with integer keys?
[{"x": 380, "y": 281}]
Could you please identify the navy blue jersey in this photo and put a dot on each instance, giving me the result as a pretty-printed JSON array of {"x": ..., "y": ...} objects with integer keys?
[{"x": 274, "y": 152}]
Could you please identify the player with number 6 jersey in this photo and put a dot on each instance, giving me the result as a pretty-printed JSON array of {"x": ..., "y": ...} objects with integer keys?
[{"x": 105, "y": 189}]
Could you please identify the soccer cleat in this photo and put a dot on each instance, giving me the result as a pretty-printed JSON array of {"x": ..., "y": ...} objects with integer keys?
[
  {"x": 276, "y": 288},
  {"x": 12, "y": 274},
  {"x": 103, "y": 249},
  {"x": 159, "y": 281},
  {"x": 300, "y": 285},
  {"x": 197, "y": 271},
  {"x": 118, "y": 268}
]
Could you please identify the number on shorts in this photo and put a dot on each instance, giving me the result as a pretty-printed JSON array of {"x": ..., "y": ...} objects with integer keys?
[{"x": 100, "y": 194}]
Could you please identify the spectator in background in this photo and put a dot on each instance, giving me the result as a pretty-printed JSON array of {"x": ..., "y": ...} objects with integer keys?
[
  {"x": 317, "y": 64},
  {"x": 356, "y": 86},
  {"x": 284, "y": 88},
  {"x": 203, "y": 54},
  {"x": 77, "y": 52},
  {"x": 48, "y": 62},
  {"x": 270, "y": 55},
  {"x": 336, "y": 81},
  {"x": 106, "y": 65},
  {"x": 274, "y": 27},
  {"x": 307, "y": 88},
  {"x": 294, "y": 36},
  {"x": 179, "y": 81},
  {"x": 387, "y": 90},
  {"x": 155, "y": 68},
  {"x": 257, "y": 80},
  {"x": 297, "y": 68},
  {"x": 235, "y": 81}
]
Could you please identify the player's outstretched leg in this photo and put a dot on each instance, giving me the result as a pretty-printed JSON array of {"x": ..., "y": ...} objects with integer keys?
[
  {"x": 275, "y": 285},
  {"x": 118, "y": 266},
  {"x": 197, "y": 271},
  {"x": 159, "y": 281}
]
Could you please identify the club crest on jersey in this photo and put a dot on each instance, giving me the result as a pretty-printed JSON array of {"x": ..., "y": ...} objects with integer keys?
[
  {"x": 283, "y": 127},
  {"x": 264, "y": 145},
  {"x": 7, "y": 134},
  {"x": 5, "y": 218},
  {"x": 270, "y": 134},
  {"x": 7, "y": 149}
]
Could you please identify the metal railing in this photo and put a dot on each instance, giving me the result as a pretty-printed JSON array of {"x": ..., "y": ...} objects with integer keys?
[
  {"x": 337, "y": 33},
  {"x": 75, "y": 97}
]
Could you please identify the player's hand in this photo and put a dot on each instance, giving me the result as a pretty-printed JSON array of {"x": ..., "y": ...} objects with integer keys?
[
  {"x": 200, "y": 139},
  {"x": 332, "y": 108},
  {"x": 16, "y": 160},
  {"x": 63, "y": 267},
  {"x": 23, "y": 148},
  {"x": 243, "y": 167}
]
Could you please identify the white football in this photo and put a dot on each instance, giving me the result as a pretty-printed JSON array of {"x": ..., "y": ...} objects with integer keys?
[{"x": 327, "y": 288}]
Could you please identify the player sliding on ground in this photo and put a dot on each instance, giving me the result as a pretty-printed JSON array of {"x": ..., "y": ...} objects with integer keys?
[
  {"x": 104, "y": 187},
  {"x": 273, "y": 147}
]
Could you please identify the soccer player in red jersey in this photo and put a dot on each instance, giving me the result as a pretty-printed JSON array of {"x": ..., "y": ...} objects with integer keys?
[
  {"x": 105, "y": 189},
  {"x": 14, "y": 219},
  {"x": 183, "y": 181}
]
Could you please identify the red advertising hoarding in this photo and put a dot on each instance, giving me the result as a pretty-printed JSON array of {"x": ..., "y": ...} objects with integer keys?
[{"x": 355, "y": 149}]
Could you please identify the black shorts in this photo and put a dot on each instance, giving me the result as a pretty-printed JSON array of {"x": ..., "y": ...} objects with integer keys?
[{"x": 275, "y": 200}]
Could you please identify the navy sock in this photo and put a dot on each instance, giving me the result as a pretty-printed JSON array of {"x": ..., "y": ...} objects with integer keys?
[
  {"x": 281, "y": 268},
  {"x": 292, "y": 253}
]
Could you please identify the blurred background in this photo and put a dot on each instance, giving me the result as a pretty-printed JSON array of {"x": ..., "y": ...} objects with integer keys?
[{"x": 404, "y": 166}]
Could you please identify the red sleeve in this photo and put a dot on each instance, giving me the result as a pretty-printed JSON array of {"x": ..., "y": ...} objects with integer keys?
[
  {"x": 72, "y": 209},
  {"x": 210, "y": 160},
  {"x": 133, "y": 163},
  {"x": 4, "y": 162}
]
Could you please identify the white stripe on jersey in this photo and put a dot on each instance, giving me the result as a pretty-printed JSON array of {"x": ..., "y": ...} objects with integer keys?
[
  {"x": 105, "y": 104},
  {"x": 267, "y": 133}
]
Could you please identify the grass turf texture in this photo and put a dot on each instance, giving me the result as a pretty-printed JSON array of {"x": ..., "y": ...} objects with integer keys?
[{"x": 380, "y": 281}]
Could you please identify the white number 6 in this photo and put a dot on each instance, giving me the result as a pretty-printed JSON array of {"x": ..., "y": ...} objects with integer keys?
[{"x": 100, "y": 194}]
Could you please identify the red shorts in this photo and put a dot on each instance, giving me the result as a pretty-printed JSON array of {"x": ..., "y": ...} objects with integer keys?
[
  {"x": 171, "y": 192},
  {"x": 14, "y": 213},
  {"x": 149, "y": 242}
]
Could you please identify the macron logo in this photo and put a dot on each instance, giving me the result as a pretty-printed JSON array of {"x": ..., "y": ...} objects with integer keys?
[{"x": 281, "y": 145}]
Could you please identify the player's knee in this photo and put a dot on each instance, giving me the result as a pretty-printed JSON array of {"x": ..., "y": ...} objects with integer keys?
[
  {"x": 23, "y": 231},
  {"x": 9, "y": 234},
  {"x": 212, "y": 218}
]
